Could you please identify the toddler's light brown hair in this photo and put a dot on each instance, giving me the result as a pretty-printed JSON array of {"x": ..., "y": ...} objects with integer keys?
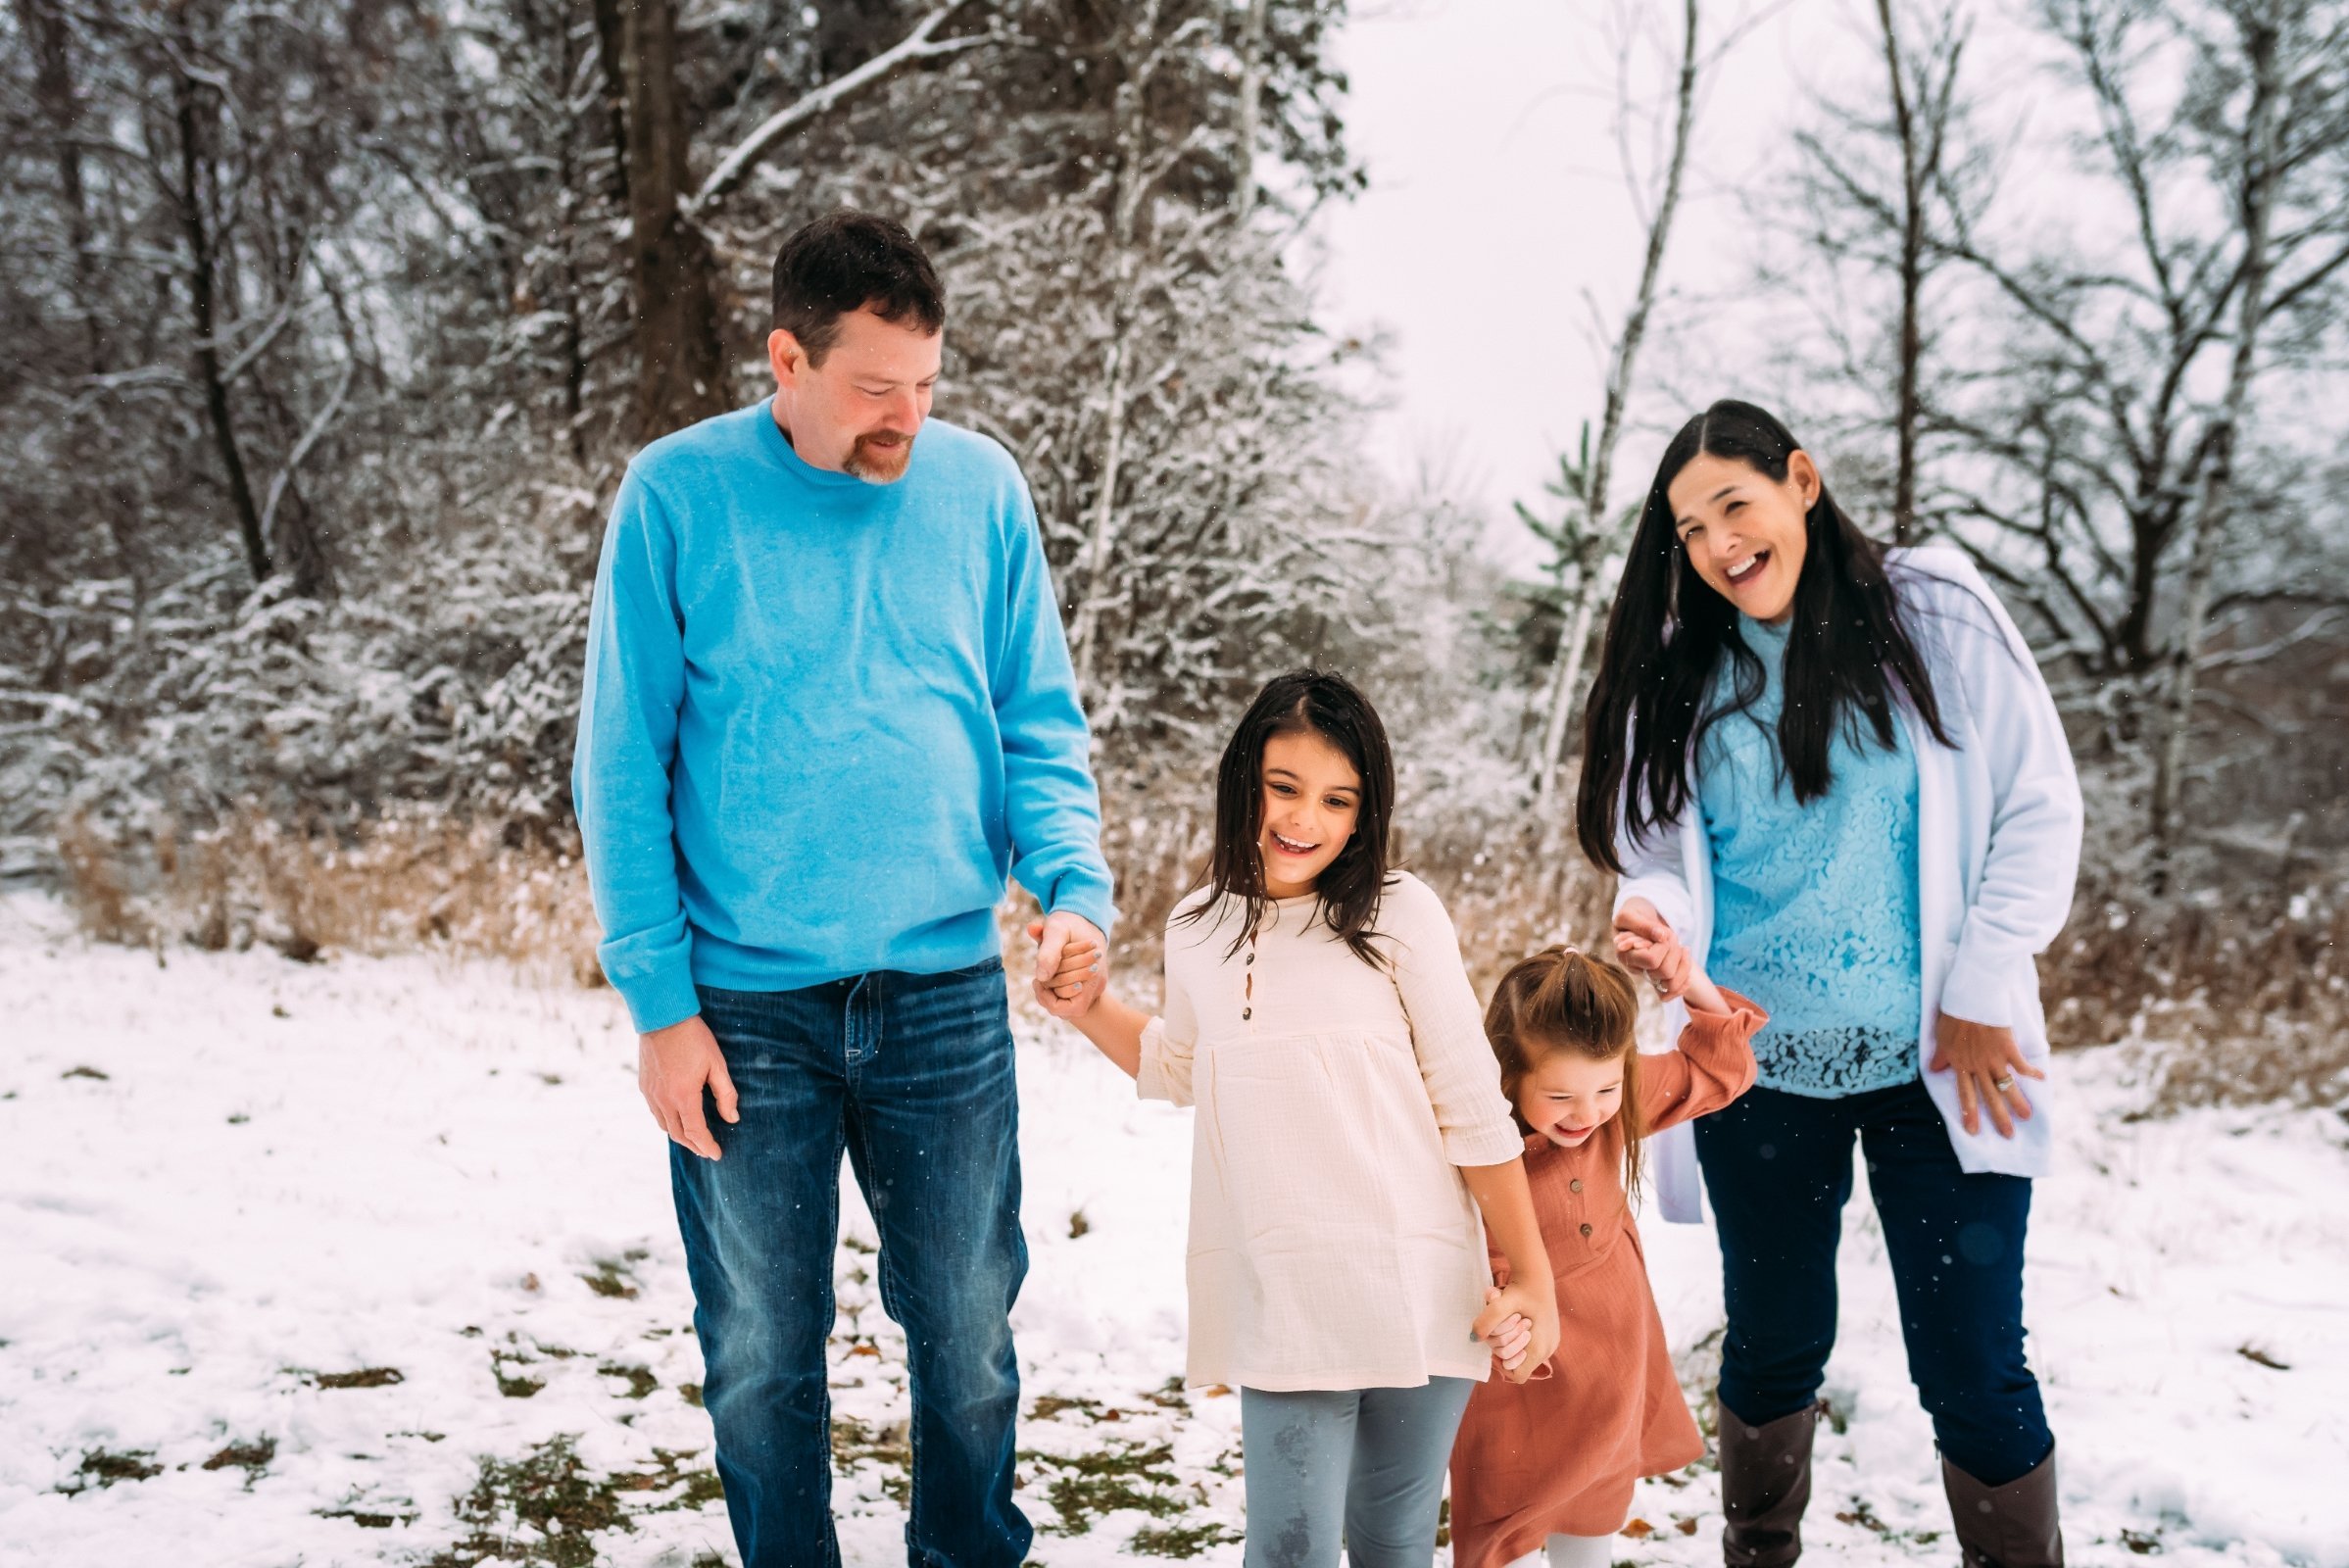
[{"x": 1559, "y": 1000}]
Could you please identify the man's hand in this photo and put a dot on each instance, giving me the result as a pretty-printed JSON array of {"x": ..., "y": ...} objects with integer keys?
[
  {"x": 674, "y": 1068},
  {"x": 1069, "y": 979},
  {"x": 1987, "y": 1060}
]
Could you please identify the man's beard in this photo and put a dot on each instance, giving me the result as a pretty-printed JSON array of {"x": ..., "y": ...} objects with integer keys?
[{"x": 876, "y": 461}]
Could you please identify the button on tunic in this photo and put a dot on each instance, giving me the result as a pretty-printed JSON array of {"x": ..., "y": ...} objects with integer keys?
[{"x": 1332, "y": 1243}]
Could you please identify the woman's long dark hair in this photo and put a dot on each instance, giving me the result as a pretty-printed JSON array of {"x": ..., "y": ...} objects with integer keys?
[
  {"x": 1302, "y": 702},
  {"x": 1850, "y": 653}
]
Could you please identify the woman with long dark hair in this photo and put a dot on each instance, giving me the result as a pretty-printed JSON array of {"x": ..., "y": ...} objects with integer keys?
[{"x": 1835, "y": 770}]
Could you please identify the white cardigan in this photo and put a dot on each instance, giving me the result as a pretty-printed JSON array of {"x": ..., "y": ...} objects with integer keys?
[{"x": 1998, "y": 827}]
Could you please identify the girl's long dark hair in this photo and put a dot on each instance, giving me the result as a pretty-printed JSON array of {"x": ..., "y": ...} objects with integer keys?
[
  {"x": 1849, "y": 653},
  {"x": 1302, "y": 702}
]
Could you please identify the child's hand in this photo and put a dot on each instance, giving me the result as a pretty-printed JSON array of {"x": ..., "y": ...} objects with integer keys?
[
  {"x": 1079, "y": 961},
  {"x": 1538, "y": 1308},
  {"x": 1510, "y": 1340},
  {"x": 1648, "y": 946}
]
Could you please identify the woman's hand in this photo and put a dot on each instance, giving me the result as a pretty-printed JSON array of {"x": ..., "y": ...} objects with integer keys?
[
  {"x": 1648, "y": 946},
  {"x": 1645, "y": 942},
  {"x": 1987, "y": 1062},
  {"x": 1520, "y": 1325}
]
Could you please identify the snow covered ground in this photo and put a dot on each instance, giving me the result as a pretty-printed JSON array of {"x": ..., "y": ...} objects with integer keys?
[{"x": 371, "y": 1262}]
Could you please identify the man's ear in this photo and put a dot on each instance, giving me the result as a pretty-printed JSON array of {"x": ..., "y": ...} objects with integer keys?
[{"x": 785, "y": 358}]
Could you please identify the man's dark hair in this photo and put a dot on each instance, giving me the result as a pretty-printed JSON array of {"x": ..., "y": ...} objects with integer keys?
[{"x": 851, "y": 261}]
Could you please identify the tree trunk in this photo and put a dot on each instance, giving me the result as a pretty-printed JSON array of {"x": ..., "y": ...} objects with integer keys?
[
  {"x": 1567, "y": 682},
  {"x": 53, "y": 86},
  {"x": 612, "y": 63},
  {"x": 1912, "y": 281},
  {"x": 680, "y": 342},
  {"x": 2262, "y": 44},
  {"x": 1252, "y": 92},
  {"x": 1125, "y": 216},
  {"x": 202, "y": 279}
]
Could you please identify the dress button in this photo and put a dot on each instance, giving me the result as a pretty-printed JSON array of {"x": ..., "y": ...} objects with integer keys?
[
  {"x": 1252, "y": 955},
  {"x": 1585, "y": 1230},
  {"x": 1576, "y": 1184},
  {"x": 1247, "y": 1012}
]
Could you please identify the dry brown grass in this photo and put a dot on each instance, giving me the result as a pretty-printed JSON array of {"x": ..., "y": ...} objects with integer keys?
[
  {"x": 2246, "y": 998},
  {"x": 1509, "y": 894},
  {"x": 2245, "y": 995},
  {"x": 402, "y": 883}
]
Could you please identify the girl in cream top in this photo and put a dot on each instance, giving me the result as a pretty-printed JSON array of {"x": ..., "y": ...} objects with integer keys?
[
  {"x": 1334, "y": 1244},
  {"x": 1350, "y": 1130}
]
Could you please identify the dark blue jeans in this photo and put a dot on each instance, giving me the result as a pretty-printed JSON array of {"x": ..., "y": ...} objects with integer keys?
[
  {"x": 1778, "y": 1167},
  {"x": 911, "y": 1077}
]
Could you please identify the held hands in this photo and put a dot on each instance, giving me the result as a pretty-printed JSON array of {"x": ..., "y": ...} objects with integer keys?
[
  {"x": 1520, "y": 1325},
  {"x": 1071, "y": 964},
  {"x": 674, "y": 1066},
  {"x": 1987, "y": 1062},
  {"x": 1647, "y": 945}
]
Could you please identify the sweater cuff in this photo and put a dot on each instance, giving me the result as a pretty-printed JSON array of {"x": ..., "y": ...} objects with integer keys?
[
  {"x": 1083, "y": 897},
  {"x": 1975, "y": 988},
  {"x": 1152, "y": 1080},
  {"x": 658, "y": 998},
  {"x": 1743, "y": 1020},
  {"x": 1486, "y": 1144}
]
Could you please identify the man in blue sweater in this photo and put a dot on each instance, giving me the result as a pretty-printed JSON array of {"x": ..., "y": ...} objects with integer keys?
[{"x": 828, "y": 708}]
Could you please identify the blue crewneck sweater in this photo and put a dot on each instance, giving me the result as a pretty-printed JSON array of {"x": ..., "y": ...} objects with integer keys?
[{"x": 823, "y": 719}]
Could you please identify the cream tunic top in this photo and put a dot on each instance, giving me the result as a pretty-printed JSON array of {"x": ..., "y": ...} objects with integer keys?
[{"x": 1332, "y": 1243}]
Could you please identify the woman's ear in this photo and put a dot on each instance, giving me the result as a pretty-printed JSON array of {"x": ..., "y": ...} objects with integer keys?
[{"x": 1803, "y": 474}]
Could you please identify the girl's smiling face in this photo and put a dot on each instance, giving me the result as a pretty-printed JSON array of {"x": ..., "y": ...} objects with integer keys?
[
  {"x": 1311, "y": 801},
  {"x": 1746, "y": 533},
  {"x": 1567, "y": 1097}
]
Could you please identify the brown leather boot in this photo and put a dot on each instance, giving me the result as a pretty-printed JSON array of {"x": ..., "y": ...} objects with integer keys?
[
  {"x": 2014, "y": 1526},
  {"x": 1765, "y": 1485}
]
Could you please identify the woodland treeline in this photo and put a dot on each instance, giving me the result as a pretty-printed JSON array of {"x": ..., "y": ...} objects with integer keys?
[{"x": 333, "y": 326}]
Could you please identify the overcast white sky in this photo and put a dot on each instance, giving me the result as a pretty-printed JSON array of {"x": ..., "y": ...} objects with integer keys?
[{"x": 1494, "y": 177}]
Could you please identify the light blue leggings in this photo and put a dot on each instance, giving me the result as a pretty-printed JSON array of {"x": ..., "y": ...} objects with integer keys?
[{"x": 1359, "y": 1466}]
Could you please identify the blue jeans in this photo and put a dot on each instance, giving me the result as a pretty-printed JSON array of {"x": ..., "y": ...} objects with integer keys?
[
  {"x": 911, "y": 1076},
  {"x": 1778, "y": 1167},
  {"x": 1363, "y": 1463}
]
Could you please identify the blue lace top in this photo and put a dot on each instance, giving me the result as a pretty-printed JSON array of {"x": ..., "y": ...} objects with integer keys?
[{"x": 1814, "y": 906}]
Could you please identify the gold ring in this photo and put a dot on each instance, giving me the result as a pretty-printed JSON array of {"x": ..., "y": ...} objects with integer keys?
[{"x": 2002, "y": 1085}]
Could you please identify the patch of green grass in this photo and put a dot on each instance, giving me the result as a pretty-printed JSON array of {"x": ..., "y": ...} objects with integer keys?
[
  {"x": 86, "y": 1072},
  {"x": 701, "y": 1486},
  {"x": 366, "y": 1377},
  {"x": 250, "y": 1457},
  {"x": 641, "y": 1381},
  {"x": 103, "y": 1467},
  {"x": 514, "y": 1388},
  {"x": 558, "y": 1507},
  {"x": 613, "y": 1277},
  {"x": 890, "y": 1446},
  {"x": 691, "y": 1393},
  {"x": 1120, "y": 1475},
  {"x": 1178, "y": 1541}
]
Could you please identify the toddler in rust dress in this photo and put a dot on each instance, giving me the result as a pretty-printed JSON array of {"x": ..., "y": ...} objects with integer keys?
[{"x": 1549, "y": 1463}]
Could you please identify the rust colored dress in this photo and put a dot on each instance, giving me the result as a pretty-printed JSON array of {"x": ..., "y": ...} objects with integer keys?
[{"x": 1558, "y": 1455}]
